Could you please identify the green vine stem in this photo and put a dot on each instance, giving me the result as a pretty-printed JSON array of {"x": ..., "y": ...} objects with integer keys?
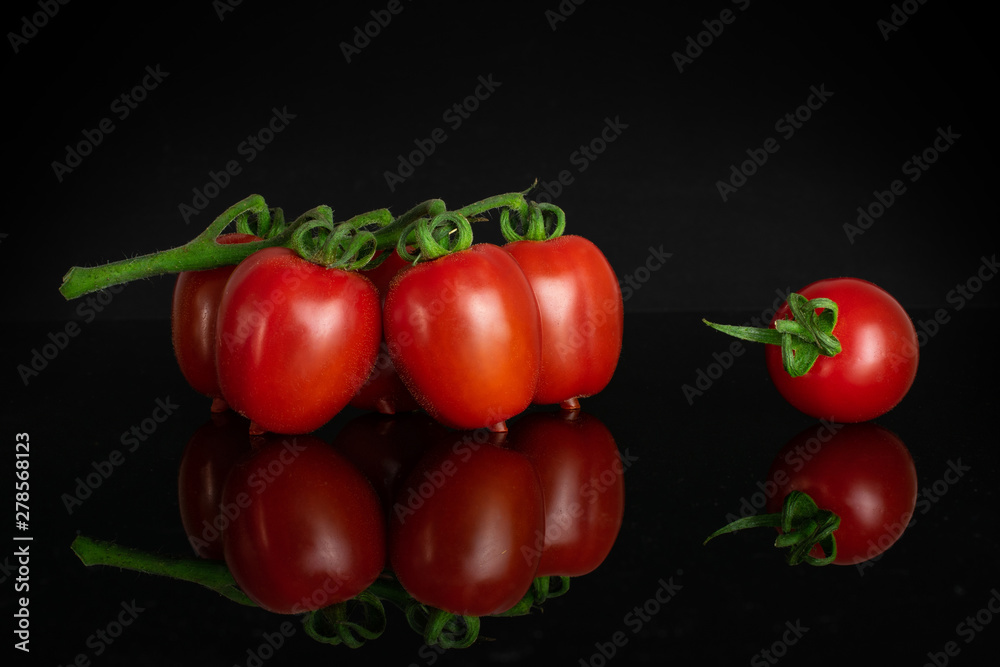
[
  {"x": 802, "y": 339},
  {"x": 351, "y": 245},
  {"x": 213, "y": 575},
  {"x": 803, "y": 526},
  {"x": 335, "y": 624},
  {"x": 200, "y": 253}
]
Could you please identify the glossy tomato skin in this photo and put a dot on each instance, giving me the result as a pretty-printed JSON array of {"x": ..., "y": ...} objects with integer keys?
[
  {"x": 583, "y": 485},
  {"x": 877, "y": 364},
  {"x": 861, "y": 472},
  {"x": 464, "y": 333},
  {"x": 308, "y": 530},
  {"x": 193, "y": 316},
  {"x": 212, "y": 451},
  {"x": 295, "y": 340},
  {"x": 463, "y": 524},
  {"x": 384, "y": 390},
  {"x": 581, "y": 310}
]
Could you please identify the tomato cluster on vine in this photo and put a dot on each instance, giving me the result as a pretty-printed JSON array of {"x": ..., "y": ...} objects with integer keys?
[
  {"x": 284, "y": 324},
  {"x": 473, "y": 334}
]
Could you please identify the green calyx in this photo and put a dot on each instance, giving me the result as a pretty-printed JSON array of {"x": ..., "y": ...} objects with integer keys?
[
  {"x": 335, "y": 624},
  {"x": 446, "y": 233},
  {"x": 803, "y": 526},
  {"x": 802, "y": 339},
  {"x": 538, "y": 222}
]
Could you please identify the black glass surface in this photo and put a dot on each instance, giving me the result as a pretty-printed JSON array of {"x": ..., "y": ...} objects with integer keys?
[
  {"x": 719, "y": 155},
  {"x": 659, "y": 595}
]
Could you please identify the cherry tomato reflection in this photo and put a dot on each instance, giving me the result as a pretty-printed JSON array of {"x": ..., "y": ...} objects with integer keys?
[
  {"x": 209, "y": 455},
  {"x": 583, "y": 484},
  {"x": 861, "y": 472}
]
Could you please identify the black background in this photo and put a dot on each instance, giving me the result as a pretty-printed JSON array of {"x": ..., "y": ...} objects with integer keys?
[{"x": 653, "y": 188}]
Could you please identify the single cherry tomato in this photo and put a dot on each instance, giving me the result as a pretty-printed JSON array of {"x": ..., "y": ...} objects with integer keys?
[
  {"x": 307, "y": 530},
  {"x": 214, "y": 448},
  {"x": 193, "y": 318},
  {"x": 581, "y": 309},
  {"x": 875, "y": 367},
  {"x": 463, "y": 524},
  {"x": 384, "y": 391},
  {"x": 295, "y": 340},
  {"x": 583, "y": 485},
  {"x": 863, "y": 473},
  {"x": 463, "y": 331}
]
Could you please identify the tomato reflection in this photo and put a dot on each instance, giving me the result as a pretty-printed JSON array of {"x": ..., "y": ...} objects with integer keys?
[
  {"x": 861, "y": 472},
  {"x": 474, "y": 519},
  {"x": 583, "y": 483},
  {"x": 212, "y": 450},
  {"x": 385, "y": 447}
]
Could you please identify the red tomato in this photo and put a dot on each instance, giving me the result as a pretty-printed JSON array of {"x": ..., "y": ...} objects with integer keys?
[
  {"x": 193, "y": 317},
  {"x": 581, "y": 309},
  {"x": 295, "y": 340},
  {"x": 462, "y": 526},
  {"x": 863, "y": 473},
  {"x": 463, "y": 332},
  {"x": 214, "y": 448},
  {"x": 583, "y": 486},
  {"x": 877, "y": 363},
  {"x": 384, "y": 391},
  {"x": 307, "y": 532}
]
